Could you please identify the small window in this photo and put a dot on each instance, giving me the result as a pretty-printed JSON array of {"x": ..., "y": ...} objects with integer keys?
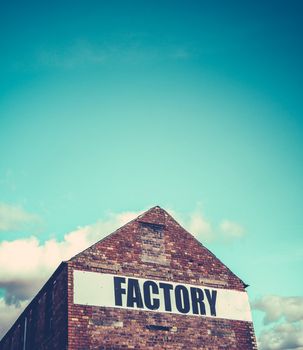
[{"x": 156, "y": 327}]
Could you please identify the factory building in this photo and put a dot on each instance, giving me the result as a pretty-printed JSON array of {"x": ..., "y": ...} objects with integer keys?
[{"x": 148, "y": 285}]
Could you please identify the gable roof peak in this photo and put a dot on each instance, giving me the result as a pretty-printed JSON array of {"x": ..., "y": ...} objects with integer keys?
[{"x": 155, "y": 215}]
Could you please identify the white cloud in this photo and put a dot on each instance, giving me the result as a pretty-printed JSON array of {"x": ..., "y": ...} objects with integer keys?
[
  {"x": 276, "y": 308},
  {"x": 196, "y": 224},
  {"x": 231, "y": 229},
  {"x": 15, "y": 218},
  {"x": 9, "y": 314},
  {"x": 285, "y": 336},
  {"x": 199, "y": 226},
  {"x": 283, "y": 317}
]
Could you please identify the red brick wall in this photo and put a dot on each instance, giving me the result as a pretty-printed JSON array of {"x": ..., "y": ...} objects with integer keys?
[{"x": 156, "y": 247}]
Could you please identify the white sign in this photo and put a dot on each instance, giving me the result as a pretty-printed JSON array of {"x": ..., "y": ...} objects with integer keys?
[{"x": 91, "y": 288}]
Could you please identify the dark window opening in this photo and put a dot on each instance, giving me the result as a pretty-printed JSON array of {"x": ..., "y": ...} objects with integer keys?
[
  {"x": 155, "y": 227},
  {"x": 156, "y": 327}
]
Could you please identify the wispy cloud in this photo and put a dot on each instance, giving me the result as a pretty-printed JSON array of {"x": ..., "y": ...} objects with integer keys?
[
  {"x": 283, "y": 318},
  {"x": 231, "y": 229},
  {"x": 196, "y": 223},
  {"x": 83, "y": 53},
  {"x": 14, "y": 218},
  {"x": 70, "y": 57},
  {"x": 199, "y": 226},
  {"x": 205, "y": 230}
]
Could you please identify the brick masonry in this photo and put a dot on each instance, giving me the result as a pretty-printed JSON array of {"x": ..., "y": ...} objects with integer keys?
[{"x": 153, "y": 246}]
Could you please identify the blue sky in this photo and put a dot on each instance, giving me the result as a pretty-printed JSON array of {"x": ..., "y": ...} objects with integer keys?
[{"x": 109, "y": 108}]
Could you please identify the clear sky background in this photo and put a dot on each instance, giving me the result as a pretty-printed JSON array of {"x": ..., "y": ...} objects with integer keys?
[{"x": 110, "y": 107}]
